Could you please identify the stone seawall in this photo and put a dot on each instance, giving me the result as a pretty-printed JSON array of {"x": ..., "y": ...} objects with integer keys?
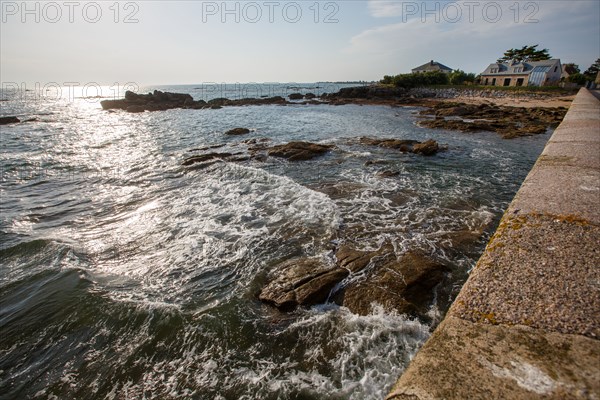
[{"x": 526, "y": 325}]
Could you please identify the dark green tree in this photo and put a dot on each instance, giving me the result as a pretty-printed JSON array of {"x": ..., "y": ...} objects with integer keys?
[
  {"x": 571, "y": 68},
  {"x": 460, "y": 77},
  {"x": 592, "y": 71},
  {"x": 387, "y": 80},
  {"x": 524, "y": 54},
  {"x": 577, "y": 78}
]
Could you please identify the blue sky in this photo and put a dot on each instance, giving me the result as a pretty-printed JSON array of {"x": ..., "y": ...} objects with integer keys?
[{"x": 279, "y": 41}]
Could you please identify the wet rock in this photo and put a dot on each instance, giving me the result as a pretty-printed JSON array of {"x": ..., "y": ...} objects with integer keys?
[
  {"x": 136, "y": 109},
  {"x": 299, "y": 151},
  {"x": 338, "y": 190},
  {"x": 387, "y": 174},
  {"x": 309, "y": 96},
  {"x": 216, "y": 107},
  {"x": 9, "y": 120},
  {"x": 301, "y": 282},
  {"x": 207, "y": 157},
  {"x": 296, "y": 96},
  {"x": 405, "y": 285},
  {"x": 398, "y": 144},
  {"x": 376, "y": 162},
  {"x": 355, "y": 260},
  {"x": 238, "y": 131},
  {"x": 427, "y": 148},
  {"x": 509, "y": 122}
]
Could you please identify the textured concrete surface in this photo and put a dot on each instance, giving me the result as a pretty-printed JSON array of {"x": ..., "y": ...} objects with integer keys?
[
  {"x": 526, "y": 325},
  {"x": 470, "y": 361},
  {"x": 540, "y": 271}
]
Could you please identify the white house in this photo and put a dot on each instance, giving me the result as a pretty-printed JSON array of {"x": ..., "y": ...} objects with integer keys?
[{"x": 528, "y": 73}]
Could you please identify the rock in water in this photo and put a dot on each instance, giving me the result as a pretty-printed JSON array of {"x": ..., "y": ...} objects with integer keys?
[
  {"x": 301, "y": 282},
  {"x": 238, "y": 131},
  {"x": 299, "y": 151},
  {"x": 427, "y": 148},
  {"x": 9, "y": 120},
  {"x": 296, "y": 96},
  {"x": 404, "y": 285}
]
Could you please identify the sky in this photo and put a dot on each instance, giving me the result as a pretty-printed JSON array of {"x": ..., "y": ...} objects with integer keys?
[{"x": 193, "y": 42}]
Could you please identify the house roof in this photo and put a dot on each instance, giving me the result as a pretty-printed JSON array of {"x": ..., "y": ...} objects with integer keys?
[
  {"x": 432, "y": 66},
  {"x": 510, "y": 69}
]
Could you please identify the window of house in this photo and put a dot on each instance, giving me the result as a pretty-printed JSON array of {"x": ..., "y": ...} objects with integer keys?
[{"x": 555, "y": 68}]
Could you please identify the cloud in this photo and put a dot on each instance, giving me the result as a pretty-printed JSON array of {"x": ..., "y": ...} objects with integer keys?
[
  {"x": 475, "y": 36},
  {"x": 385, "y": 8}
]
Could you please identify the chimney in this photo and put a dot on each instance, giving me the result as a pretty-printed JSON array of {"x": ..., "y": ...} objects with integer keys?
[{"x": 431, "y": 62}]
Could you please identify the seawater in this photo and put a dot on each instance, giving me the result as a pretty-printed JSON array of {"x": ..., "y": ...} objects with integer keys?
[{"x": 125, "y": 275}]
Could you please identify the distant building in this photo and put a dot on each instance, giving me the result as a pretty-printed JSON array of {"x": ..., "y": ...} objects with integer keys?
[
  {"x": 432, "y": 66},
  {"x": 529, "y": 73}
]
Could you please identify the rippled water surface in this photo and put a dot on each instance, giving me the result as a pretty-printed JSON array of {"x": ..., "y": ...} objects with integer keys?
[{"x": 125, "y": 275}]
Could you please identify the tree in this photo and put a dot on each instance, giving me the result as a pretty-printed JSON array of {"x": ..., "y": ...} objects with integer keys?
[
  {"x": 387, "y": 80},
  {"x": 524, "y": 54},
  {"x": 460, "y": 77},
  {"x": 592, "y": 71},
  {"x": 420, "y": 79},
  {"x": 577, "y": 78},
  {"x": 571, "y": 68}
]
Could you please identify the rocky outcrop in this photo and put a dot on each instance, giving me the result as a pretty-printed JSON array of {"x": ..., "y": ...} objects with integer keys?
[
  {"x": 296, "y": 96},
  {"x": 238, "y": 131},
  {"x": 159, "y": 101},
  {"x": 9, "y": 120},
  {"x": 509, "y": 122},
  {"x": 301, "y": 282},
  {"x": 368, "y": 92},
  {"x": 154, "y": 101},
  {"x": 405, "y": 285},
  {"x": 299, "y": 151},
  {"x": 427, "y": 148}
]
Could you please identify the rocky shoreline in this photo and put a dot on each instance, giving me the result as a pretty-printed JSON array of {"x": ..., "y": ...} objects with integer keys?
[{"x": 440, "y": 112}]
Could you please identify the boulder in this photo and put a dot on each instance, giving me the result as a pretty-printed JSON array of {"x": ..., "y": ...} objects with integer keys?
[
  {"x": 9, "y": 120},
  {"x": 296, "y": 96},
  {"x": 398, "y": 144},
  {"x": 310, "y": 96},
  {"x": 405, "y": 285},
  {"x": 299, "y": 151},
  {"x": 301, "y": 282},
  {"x": 427, "y": 148},
  {"x": 238, "y": 131}
]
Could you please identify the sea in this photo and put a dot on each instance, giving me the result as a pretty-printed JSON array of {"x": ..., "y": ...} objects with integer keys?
[{"x": 125, "y": 275}]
